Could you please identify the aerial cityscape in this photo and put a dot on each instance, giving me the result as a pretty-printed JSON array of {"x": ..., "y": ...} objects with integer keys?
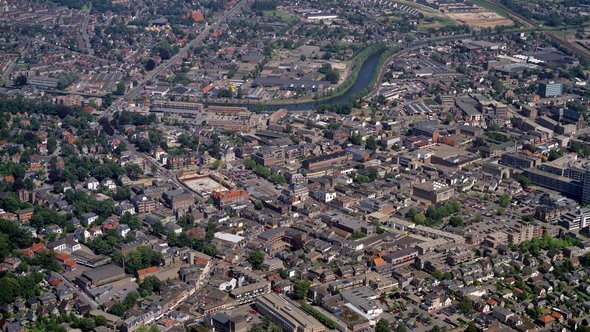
[{"x": 296, "y": 166}]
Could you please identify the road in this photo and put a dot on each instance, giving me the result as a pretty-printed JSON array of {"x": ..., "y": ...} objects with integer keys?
[
  {"x": 165, "y": 65},
  {"x": 85, "y": 37},
  {"x": 132, "y": 93},
  {"x": 8, "y": 71}
]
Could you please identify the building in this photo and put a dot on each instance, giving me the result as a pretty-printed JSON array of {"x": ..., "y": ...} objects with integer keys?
[
  {"x": 249, "y": 293},
  {"x": 433, "y": 191},
  {"x": 460, "y": 256},
  {"x": 550, "y": 89},
  {"x": 224, "y": 323},
  {"x": 229, "y": 198},
  {"x": 346, "y": 223},
  {"x": 330, "y": 160},
  {"x": 100, "y": 276},
  {"x": 562, "y": 184},
  {"x": 143, "y": 204},
  {"x": 176, "y": 108},
  {"x": 401, "y": 257},
  {"x": 518, "y": 160},
  {"x": 178, "y": 199},
  {"x": 575, "y": 220},
  {"x": 43, "y": 82},
  {"x": 518, "y": 234},
  {"x": 287, "y": 315}
]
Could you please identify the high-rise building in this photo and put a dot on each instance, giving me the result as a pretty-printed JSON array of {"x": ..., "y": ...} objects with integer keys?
[
  {"x": 586, "y": 188},
  {"x": 550, "y": 89}
]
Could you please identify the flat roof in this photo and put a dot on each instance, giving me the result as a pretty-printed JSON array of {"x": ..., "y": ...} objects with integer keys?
[
  {"x": 228, "y": 237},
  {"x": 290, "y": 312},
  {"x": 104, "y": 272}
]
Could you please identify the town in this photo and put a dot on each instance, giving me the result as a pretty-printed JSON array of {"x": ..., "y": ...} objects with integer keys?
[{"x": 308, "y": 166}]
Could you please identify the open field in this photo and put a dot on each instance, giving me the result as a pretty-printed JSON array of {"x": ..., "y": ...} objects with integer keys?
[
  {"x": 484, "y": 19},
  {"x": 282, "y": 15},
  {"x": 492, "y": 7},
  {"x": 436, "y": 23}
]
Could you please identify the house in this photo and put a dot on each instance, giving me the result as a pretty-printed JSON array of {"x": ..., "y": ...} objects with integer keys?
[
  {"x": 546, "y": 321},
  {"x": 89, "y": 218},
  {"x": 502, "y": 314},
  {"x": 67, "y": 244},
  {"x": 25, "y": 215},
  {"x": 93, "y": 232},
  {"x": 123, "y": 230},
  {"x": 92, "y": 184},
  {"x": 125, "y": 207},
  {"x": 109, "y": 184}
]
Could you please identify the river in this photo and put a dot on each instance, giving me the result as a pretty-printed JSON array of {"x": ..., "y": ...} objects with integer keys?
[{"x": 362, "y": 81}]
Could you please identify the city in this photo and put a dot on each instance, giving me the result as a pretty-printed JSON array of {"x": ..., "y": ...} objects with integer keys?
[{"x": 307, "y": 166}]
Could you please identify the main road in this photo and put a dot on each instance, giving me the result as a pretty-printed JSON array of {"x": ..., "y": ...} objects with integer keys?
[{"x": 165, "y": 65}]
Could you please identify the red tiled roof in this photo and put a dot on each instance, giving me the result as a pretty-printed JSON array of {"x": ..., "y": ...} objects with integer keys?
[
  {"x": 148, "y": 270},
  {"x": 197, "y": 16},
  {"x": 70, "y": 262}
]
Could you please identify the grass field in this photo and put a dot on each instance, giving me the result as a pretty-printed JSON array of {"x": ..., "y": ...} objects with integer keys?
[
  {"x": 491, "y": 7},
  {"x": 436, "y": 23},
  {"x": 281, "y": 15}
]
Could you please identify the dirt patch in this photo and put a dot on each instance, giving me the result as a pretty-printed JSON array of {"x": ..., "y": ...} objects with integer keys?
[{"x": 482, "y": 19}]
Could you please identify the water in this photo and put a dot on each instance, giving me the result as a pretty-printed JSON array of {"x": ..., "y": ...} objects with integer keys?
[{"x": 362, "y": 81}]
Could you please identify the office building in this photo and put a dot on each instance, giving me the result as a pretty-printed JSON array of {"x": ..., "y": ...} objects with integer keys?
[
  {"x": 433, "y": 191},
  {"x": 550, "y": 89}
]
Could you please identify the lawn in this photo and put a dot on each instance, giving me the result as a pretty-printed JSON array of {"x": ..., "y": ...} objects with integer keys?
[
  {"x": 430, "y": 102},
  {"x": 281, "y": 15},
  {"x": 436, "y": 23},
  {"x": 492, "y": 7}
]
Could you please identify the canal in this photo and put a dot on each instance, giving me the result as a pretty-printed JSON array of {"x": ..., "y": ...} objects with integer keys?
[{"x": 362, "y": 81}]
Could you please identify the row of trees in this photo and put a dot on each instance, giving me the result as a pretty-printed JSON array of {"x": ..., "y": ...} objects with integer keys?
[{"x": 546, "y": 242}]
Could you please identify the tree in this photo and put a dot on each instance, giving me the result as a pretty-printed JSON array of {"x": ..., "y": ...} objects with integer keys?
[
  {"x": 419, "y": 218},
  {"x": 86, "y": 324},
  {"x": 150, "y": 65},
  {"x": 471, "y": 327},
  {"x": 382, "y": 326},
  {"x": 20, "y": 80},
  {"x": 465, "y": 305},
  {"x": 455, "y": 221},
  {"x": 525, "y": 182},
  {"x": 504, "y": 200},
  {"x": 118, "y": 309},
  {"x": 300, "y": 289},
  {"x": 256, "y": 258},
  {"x": 120, "y": 90},
  {"x": 51, "y": 144},
  {"x": 149, "y": 286},
  {"x": 100, "y": 321},
  {"x": 371, "y": 143}
]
